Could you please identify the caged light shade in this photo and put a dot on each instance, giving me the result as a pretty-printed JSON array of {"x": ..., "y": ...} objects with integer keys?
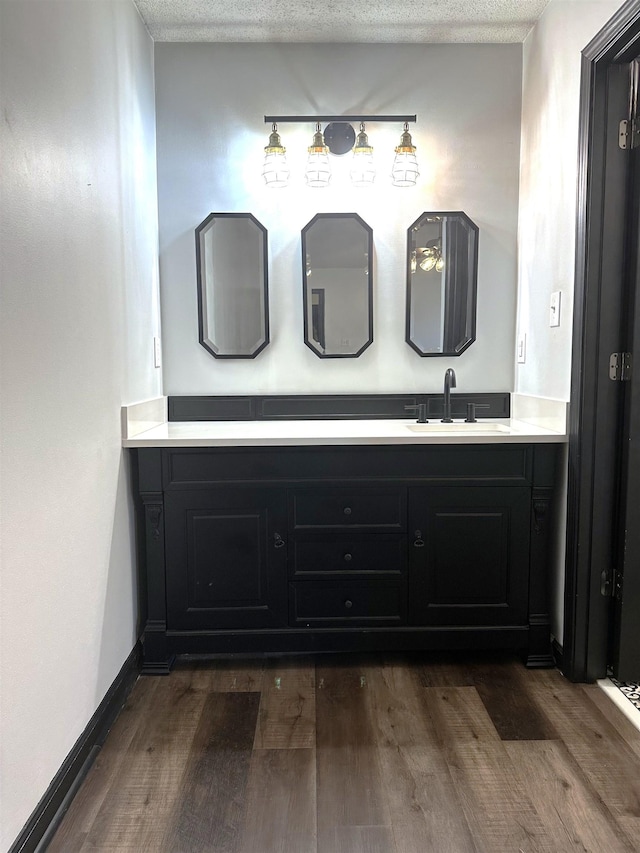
[
  {"x": 275, "y": 170},
  {"x": 318, "y": 172},
  {"x": 363, "y": 169},
  {"x": 405, "y": 170}
]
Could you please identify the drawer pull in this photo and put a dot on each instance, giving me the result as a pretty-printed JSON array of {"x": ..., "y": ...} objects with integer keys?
[
  {"x": 348, "y": 558},
  {"x": 419, "y": 541},
  {"x": 279, "y": 541},
  {"x": 348, "y": 604},
  {"x": 347, "y": 510}
]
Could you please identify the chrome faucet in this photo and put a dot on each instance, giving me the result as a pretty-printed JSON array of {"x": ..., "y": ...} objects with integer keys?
[{"x": 449, "y": 383}]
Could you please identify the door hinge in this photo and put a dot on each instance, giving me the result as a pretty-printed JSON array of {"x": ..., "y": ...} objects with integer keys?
[
  {"x": 611, "y": 584},
  {"x": 617, "y": 585},
  {"x": 620, "y": 366},
  {"x": 629, "y": 133}
]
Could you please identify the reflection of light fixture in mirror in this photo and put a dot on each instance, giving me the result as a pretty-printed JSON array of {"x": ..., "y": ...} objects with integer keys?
[
  {"x": 431, "y": 258},
  {"x": 318, "y": 172},
  {"x": 363, "y": 170},
  {"x": 405, "y": 165},
  {"x": 275, "y": 170}
]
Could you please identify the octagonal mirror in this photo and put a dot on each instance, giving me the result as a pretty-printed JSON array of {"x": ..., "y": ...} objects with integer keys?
[
  {"x": 442, "y": 278},
  {"x": 233, "y": 297},
  {"x": 337, "y": 274}
]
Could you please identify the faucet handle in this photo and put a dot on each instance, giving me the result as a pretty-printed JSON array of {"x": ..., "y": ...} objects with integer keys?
[
  {"x": 471, "y": 411},
  {"x": 421, "y": 409}
]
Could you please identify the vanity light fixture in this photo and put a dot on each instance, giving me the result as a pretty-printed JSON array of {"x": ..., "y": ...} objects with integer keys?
[
  {"x": 405, "y": 166},
  {"x": 318, "y": 172},
  {"x": 275, "y": 170},
  {"x": 339, "y": 138}
]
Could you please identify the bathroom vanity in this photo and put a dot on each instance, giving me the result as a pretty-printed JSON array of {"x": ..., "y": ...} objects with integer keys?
[{"x": 310, "y": 536}]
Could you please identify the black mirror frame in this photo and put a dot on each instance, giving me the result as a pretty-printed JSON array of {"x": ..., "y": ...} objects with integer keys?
[
  {"x": 305, "y": 300},
  {"x": 265, "y": 284},
  {"x": 474, "y": 301}
]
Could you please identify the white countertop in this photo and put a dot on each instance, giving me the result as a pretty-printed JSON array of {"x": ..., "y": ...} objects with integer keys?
[{"x": 335, "y": 432}]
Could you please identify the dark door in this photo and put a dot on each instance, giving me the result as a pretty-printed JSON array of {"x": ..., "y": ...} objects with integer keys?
[
  {"x": 597, "y": 437},
  {"x": 626, "y": 583},
  {"x": 226, "y": 558}
]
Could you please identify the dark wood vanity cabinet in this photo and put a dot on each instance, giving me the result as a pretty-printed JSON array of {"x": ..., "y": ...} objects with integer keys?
[{"x": 301, "y": 549}]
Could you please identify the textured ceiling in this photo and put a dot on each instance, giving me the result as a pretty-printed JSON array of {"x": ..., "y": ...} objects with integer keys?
[{"x": 340, "y": 20}]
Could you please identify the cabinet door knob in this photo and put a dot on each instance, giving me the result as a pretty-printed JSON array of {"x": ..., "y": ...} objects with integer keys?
[
  {"x": 348, "y": 558},
  {"x": 279, "y": 541},
  {"x": 419, "y": 541},
  {"x": 347, "y": 510},
  {"x": 348, "y": 604}
]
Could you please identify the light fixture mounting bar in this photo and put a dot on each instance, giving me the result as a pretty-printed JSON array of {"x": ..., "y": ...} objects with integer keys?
[{"x": 301, "y": 119}]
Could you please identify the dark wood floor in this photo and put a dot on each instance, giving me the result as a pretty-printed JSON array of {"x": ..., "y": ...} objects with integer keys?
[{"x": 369, "y": 754}]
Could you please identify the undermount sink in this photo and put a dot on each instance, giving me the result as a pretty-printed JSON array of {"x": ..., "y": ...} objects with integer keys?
[{"x": 461, "y": 426}]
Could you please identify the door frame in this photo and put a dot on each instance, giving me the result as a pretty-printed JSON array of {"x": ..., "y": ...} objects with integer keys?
[{"x": 586, "y": 611}]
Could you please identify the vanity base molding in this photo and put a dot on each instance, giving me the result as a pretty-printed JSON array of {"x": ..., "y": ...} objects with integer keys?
[
  {"x": 222, "y": 644},
  {"x": 342, "y": 549}
]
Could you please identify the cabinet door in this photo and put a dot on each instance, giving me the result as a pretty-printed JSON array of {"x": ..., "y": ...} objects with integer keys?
[
  {"x": 469, "y": 555},
  {"x": 226, "y": 558}
]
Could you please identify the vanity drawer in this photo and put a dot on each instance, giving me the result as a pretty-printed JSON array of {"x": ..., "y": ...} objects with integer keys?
[
  {"x": 366, "y": 509},
  {"x": 374, "y": 602},
  {"x": 381, "y": 553}
]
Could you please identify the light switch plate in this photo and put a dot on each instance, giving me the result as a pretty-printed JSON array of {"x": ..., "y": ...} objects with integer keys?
[
  {"x": 554, "y": 309},
  {"x": 522, "y": 348},
  {"x": 157, "y": 353}
]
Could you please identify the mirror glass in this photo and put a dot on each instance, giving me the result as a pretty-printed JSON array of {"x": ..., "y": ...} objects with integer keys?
[
  {"x": 337, "y": 274},
  {"x": 442, "y": 273},
  {"x": 231, "y": 260}
]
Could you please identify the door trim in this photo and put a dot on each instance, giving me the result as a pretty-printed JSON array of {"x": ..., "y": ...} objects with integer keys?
[{"x": 586, "y": 616}]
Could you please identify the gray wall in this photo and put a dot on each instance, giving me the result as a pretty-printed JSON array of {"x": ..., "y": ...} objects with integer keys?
[
  {"x": 78, "y": 233},
  {"x": 211, "y": 100}
]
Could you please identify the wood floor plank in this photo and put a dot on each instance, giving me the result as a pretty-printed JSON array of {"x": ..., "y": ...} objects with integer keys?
[
  {"x": 606, "y": 759},
  {"x": 447, "y": 669},
  {"x": 495, "y": 802},
  {"x": 208, "y": 814},
  {"x": 425, "y": 811},
  {"x": 503, "y": 688},
  {"x": 222, "y": 675},
  {"x": 141, "y": 797},
  {"x": 359, "y": 839},
  {"x": 570, "y": 808},
  {"x": 287, "y": 718},
  {"x": 74, "y": 829},
  {"x": 350, "y": 787},
  {"x": 280, "y": 815}
]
